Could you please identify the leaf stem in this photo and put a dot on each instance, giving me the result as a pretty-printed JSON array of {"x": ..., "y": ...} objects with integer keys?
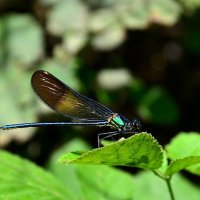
[{"x": 168, "y": 181}]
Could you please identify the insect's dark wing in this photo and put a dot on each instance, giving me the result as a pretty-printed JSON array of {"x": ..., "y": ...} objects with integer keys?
[{"x": 65, "y": 100}]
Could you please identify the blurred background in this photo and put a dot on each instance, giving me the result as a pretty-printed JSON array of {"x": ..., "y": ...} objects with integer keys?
[{"x": 139, "y": 58}]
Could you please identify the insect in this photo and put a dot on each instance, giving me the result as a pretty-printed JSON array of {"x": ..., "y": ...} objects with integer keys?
[{"x": 82, "y": 110}]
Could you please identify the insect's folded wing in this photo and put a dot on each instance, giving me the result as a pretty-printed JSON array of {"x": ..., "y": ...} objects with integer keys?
[{"x": 65, "y": 100}]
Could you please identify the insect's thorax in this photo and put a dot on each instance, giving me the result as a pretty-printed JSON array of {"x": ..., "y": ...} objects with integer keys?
[{"x": 122, "y": 124}]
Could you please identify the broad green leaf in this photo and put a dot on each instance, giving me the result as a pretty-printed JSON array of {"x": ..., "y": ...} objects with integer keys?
[
  {"x": 21, "y": 179},
  {"x": 140, "y": 150},
  {"x": 92, "y": 181},
  {"x": 184, "y": 151},
  {"x": 151, "y": 187}
]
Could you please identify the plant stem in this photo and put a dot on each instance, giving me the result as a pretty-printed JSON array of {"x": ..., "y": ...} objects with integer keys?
[
  {"x": 168, "y": 181},
  {"x": 170, "y": 188}
]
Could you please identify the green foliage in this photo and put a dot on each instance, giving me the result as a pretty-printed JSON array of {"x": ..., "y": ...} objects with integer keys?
[
  {"x": 140, "y": 150},
  {"x": 150, "y": 187},
  {"x": 22, "y": 180},
  {"x": 184, "y": 150},
  {"x": 26, "y": 181},
  {"x": 92, "y": 181}
]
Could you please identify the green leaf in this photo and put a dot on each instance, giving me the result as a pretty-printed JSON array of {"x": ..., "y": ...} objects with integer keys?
[
  {"x": 184, "y": 150},
  {"x": 21, "y": 179},
  {"x": 191, "y": 163},
  {"x": 164, "y": 166},
  {"x": 151, "y": 187},
  {"x": 92, "y": 181},
  {"x": 140, "y": 150}
]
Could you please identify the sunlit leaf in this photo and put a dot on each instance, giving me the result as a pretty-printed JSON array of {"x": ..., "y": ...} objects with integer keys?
[
  {"x": 89, "y": 181},
  {"x": 140, "y": 150},
  {"x": 21, "y": 179},
  {"x": 184, "y": 151}
]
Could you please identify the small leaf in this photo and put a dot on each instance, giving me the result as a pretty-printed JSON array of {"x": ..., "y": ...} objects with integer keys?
[
  {"x": 187, "y": 163},
  {"x": 140, "y": 150},
  {"x": 21, "y": 179},
  {"x": 184, "y": 150}
]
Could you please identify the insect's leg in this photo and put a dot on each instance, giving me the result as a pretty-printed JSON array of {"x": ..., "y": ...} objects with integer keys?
[{"x": 108, "y": 135}]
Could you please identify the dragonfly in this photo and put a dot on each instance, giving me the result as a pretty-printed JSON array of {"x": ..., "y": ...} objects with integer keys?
[{"x": 82, "y": 110}]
